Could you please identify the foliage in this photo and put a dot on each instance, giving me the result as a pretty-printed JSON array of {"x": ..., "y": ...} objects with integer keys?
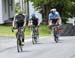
[
  {"x": 7, "y": 31},
  {"x": 17, "y": 7},
  {"x": 65, "y": 7}
]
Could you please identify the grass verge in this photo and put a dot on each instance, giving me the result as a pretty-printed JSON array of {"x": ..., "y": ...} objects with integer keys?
[{"x": 6, "y": 31}]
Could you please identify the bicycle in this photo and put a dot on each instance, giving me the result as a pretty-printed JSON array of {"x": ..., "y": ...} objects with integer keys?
[
  {"x": 35, "y": 34},
  {"x": 55, "y": 32},
  {"x": 19, "y": 36}
]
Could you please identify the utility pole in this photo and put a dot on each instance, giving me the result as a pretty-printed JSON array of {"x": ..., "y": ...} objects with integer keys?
[{"x": 27, "y": 9}]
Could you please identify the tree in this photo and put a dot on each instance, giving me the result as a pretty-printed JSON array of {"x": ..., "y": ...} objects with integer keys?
[
  {"x": 17, "y": 7},
  {"x": 66, "y": 8}
]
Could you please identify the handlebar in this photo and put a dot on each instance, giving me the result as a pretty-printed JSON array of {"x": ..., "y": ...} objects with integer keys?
[{"x": 55, "y": 25}]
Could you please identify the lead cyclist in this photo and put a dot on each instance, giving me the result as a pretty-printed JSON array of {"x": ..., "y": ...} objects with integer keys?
[
  {"x": 19, "y": 21},
  {"x": 54, "y": 18}
]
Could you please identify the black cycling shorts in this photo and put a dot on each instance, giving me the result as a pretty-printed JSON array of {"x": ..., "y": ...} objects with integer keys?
[
  {"x": 19, "y": 24},
  {"x": 54, "y": 21}
]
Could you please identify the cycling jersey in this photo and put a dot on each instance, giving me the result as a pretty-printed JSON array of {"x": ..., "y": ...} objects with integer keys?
[
  {"x": 19, "y": 20},
  {"x": 34, "y": 21},
  {"x": 53, "y": 16}
]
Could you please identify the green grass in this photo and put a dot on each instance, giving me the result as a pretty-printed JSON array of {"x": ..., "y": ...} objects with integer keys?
[{"x": 6, "y": 31}]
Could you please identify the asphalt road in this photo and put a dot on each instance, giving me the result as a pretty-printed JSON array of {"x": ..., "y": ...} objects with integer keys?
[{"x": 46, "y": 48}]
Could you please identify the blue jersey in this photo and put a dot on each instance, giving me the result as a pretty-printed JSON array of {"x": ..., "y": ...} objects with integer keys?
[{"x": 53, "y": 16}]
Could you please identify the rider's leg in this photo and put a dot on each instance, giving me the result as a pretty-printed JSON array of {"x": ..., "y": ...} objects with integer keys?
[
  {"x": 22, "y": 29},
  {"x": 37, "y": 33},
  {"x": 23, "y": 37}
]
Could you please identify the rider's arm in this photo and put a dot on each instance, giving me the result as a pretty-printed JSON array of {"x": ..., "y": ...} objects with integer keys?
[
  {"x": 49, "y": 20},
  {"x": 24, "y": 22},
  {"x": 30, "y": 22},
  {"x": 59, "y": 18},
  {"x": 60, "y": 21},
  {"x": 39, "y": 22},
  {"x": 13, "y": 23}
]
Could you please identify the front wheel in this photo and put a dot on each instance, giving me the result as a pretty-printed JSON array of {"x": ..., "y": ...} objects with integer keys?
[
  {"x": 56, "y": 38},
  {"x": 19, "y": 43},
  {"x": 34, "y": 40},
  {"x": 18, "y": 46}
]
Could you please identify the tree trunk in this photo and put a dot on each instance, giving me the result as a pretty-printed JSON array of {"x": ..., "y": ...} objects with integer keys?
[{"x": 46, "y": 10}]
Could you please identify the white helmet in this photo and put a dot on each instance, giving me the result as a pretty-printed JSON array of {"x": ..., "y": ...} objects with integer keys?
[{"x": 53, "y": 10}]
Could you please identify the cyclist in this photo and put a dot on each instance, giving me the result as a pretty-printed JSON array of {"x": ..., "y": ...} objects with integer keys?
[
  {"x": 54, "y": 17},
  {"x": 34, "y": 22},
  {"x": 19, "y": 21}
]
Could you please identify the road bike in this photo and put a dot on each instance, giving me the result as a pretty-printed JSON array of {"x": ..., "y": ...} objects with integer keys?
[
  {"x": 19, "y": 36},
  {"x": 35, "y": 34},
  {"x": 55, "y": 29}
]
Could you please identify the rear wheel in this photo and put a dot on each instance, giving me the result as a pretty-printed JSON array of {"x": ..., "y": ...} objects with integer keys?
[
  {"x": 56, "y": 38},
  {"x": 19, "y": 44},
  {"x": 34, "y": 40},
  {"x": 35, "y": 35}
]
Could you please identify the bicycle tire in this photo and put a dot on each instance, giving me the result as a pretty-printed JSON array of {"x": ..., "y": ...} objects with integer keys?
[
  {"x": 19, "y": 44},
  {"x": 56, "y": 36},
  {"x": 35, "y": 34},
  {"x": 56, "y": 39},
  {"x": 34, "y": 40}
]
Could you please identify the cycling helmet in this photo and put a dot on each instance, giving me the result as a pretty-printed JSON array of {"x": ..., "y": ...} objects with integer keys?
[
  {"x": 19, "y": 12},
  {"x": 33, "y": 15},
  {"x": 53, "y": 10}
]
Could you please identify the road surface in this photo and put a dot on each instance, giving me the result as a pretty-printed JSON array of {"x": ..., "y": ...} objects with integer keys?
[{"x": 46, "y": 48}]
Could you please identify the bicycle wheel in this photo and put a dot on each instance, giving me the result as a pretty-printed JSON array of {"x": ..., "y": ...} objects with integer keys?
[
  {"x": 56, "y": 36},
  {"x": 56, "y": 39},
  {"x": 34, "y": 38},
  {"x": 18, "y": 47},
  {"x": 33, "y": 41},
  {"x": 35, "y": 34},
  {"x": 19, "y": 44}
]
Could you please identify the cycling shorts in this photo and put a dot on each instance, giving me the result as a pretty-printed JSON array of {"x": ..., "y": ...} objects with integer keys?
[
  {"x": 54, "y": 21},
  {"x": 19, "y": 24}
]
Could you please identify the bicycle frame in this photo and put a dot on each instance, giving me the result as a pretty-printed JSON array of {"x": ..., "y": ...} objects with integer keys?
[
  {"x": 35, "y": 34},
  {"x": 19, "y": 36},
  {"x": 55, "y": 33}
]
